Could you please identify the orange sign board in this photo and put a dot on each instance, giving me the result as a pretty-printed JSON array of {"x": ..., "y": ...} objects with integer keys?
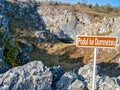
[{"x": 96, "y": 41}]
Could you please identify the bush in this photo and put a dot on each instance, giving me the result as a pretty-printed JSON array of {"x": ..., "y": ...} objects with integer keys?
[
  {"x": 11, "y": 54},
  {"x": 90, "y": 5},
  {"x": 107, "y": 8},
  {"x": 11, "y": 51},
  {"x": 67, "y": 20},
  {"x": 96, "y": 6},
  {"x": 78, "y": 3}
]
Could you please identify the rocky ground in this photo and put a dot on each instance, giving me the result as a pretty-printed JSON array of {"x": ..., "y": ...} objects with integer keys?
[{"x": 36, "y": 76}]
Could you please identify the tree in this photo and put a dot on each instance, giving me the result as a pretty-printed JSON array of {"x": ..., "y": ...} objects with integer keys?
[
  {"x": 11, "y": 51},
  {"x": 106, "y": 8},
  {"x": 90, "y": 5},
  {"x": 78, "y": 3},
  {"x": 96, "y": 6}
]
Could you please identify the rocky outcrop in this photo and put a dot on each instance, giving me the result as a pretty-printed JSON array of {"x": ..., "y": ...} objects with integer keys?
[
  {"x": 49, "y": 23},
  {"x": 8, "y": 13},
  {"x": 102, "y": 82},
  {"x": 36, "y": 76},
  {"x": 23, "y": 20},
  {"x": 67, "y": 23}
]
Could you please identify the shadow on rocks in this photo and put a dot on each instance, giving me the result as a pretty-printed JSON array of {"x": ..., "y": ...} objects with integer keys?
[{"x": 108, "y": 69}]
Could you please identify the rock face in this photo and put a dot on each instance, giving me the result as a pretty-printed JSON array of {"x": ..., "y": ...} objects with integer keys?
[
  {"x": 23, "y": 20},
  {"x": 66, "y": 23},
  {"x": 36, "y": 76},
  {"x": 63, "y": 23},
  {"x": 45, "y": 23}
]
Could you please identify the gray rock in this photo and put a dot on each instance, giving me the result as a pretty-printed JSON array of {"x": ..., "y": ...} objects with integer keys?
[
  {"x": 66, "y": 80},
  {"x": 118, "y": 80},
  {"x": 77, "y": 85},
  {"x": 108, "y": 84},
  {"x": 102, "y": 82},
  {"x": 1, "y": 52},
  {"x": 57, "y": 72},
  {"x": 3, "y": 66},
  {"x": 36, "y": 76},
  {"x": 24, "y": 58},
  {"x": 32, "y": 76}
]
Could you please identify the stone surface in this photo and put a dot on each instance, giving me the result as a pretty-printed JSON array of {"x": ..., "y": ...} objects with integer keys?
[
  {"x": 66, "y": 80},
  {"x": 77, "y": 85},
  {"x": 64, "y": 24},
  {"x": 32, "y": 76},
  {"x": 102, "y": 82},
  {"x": 1, "y": 52},
  {"x": 3, "y": 66},
  {"x": 57, "y": 72},
  {"x": 36, "y": 76}
]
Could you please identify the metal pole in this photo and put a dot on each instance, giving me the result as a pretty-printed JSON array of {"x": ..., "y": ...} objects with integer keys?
[{"x": 94, "y": 69}]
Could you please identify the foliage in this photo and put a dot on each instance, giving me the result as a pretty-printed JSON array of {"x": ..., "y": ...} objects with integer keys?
[
  {"x": 67, "y": 20},
  {"x": 106, "y": 8},
  {"x": 90, "y": 5},
  {"x": 96, "y": 6},
  {"x": 12, "y": 54},
  {"x": 78, "y": 3}
]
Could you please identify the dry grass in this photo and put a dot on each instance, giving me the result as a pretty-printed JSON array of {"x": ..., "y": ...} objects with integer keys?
[{"x": 66, "y": 55}]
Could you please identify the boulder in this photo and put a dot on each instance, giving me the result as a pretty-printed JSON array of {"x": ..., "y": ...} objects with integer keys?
[
  {"x": 103, "y": 82},
  {"x": 77, "y": 85},
  {"x": 36, "y": 76},
  {"x": 57, "y": 72},
  {"x": 108, "y": 84},
  {"x": 66, "y": 80},
  {"x": 32, "y": 76}
]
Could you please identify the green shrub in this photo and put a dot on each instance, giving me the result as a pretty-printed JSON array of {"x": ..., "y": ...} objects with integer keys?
[
  {"x": 96, "y": 6},
  {"x": 107, "y": 8},
  {"x": 11, "y": 52},
  {"x": 67, "y": 20},
  {"x": 78, "y": 3},
  {"x": 90, "y": 5}
]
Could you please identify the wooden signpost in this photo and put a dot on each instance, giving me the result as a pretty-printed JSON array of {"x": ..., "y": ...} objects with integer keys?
[{"x": 96, "y": 42}]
